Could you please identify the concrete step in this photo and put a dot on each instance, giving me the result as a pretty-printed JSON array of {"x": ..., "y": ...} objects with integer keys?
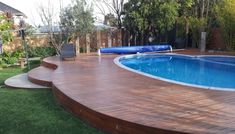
[{"x": 21, "y": 81}]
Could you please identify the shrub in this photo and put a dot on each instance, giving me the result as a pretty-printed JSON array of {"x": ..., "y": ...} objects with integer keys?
[
  {"x": 41, "y": 52},
  {"x": 11, "y": 58},
  {"x": 226, "y": 16}
]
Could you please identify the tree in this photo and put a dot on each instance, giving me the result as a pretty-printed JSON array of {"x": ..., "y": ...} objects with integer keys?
[
  {"x": 152, "y": 16},
  {"x": 6, "y": 24},
  {"x": 77, "y": 20},
  {"x": 226, "y": 16},
  {"x": 138, "y": 13},
  {"x": 48, "y": 17},
  {"x": 129, "y": 20},
  {"x": 114, "y": 7},
  {"x": 157, "y": 17},
  {"x": 110, "y": 20},
  {"x": 196, "y": 16},
  {"x": 203, "y": 11},
  {"x": 165, "y": 16},
  {"x": 182, "y": 22}
]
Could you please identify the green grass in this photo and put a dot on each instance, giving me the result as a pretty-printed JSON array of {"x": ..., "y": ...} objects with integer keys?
[{"x": 35, "y": 111}]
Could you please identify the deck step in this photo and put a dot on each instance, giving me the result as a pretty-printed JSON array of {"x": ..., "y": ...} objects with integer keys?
[
  {"x": 41, "y": 76},
  {"x": 21, "y": 81}
]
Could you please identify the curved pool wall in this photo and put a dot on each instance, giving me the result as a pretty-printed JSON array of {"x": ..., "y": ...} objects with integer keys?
[
  {"x": 136, "y": 49},
  {"x": 173, "y": 67}
]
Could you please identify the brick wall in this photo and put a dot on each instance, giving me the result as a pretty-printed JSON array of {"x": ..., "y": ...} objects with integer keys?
[{"x": 32, "y": 41}]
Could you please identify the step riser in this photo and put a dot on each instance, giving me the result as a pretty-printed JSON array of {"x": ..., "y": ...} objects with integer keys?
[
  {"x": 40, "y": 82},
  {"x": 49, "y": 65},
  {"x": 44, "y": 79}
]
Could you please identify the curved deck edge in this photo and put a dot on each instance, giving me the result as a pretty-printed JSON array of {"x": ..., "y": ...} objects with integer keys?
[{"x": 105, "y": 122}]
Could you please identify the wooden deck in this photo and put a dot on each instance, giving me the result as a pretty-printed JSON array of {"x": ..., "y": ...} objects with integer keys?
[{"x": 118, "y": 101}]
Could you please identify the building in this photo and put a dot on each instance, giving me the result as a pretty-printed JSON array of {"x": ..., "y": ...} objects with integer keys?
[
  {"x": 12, "y": 13},
  {"x": 5, "y": 8}
]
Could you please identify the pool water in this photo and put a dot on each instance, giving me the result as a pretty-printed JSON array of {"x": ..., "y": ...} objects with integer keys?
[{"x": 212, "y": 72}]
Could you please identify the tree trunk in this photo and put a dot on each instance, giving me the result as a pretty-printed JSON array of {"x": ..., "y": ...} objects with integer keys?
[
  {"x": 202, "y": 28},
  {"x": 207, "y": 8},
  {"x": 186, "y": 32},
  {"x": 142, "y": 38},
  {"x": 129, "y": 37},
  {"x": 135, "y": 39},
  {"x": 202, "y": 9}
]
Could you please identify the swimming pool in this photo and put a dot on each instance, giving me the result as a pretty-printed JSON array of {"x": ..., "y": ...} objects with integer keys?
[{"x": 210, "y": 72}]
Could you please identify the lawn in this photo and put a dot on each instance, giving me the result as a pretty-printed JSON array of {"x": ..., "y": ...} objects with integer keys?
[{"x": 35, "y": 111}]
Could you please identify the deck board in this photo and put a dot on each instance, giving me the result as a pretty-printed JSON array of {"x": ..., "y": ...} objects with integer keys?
[{"x": 119, "y": 101}]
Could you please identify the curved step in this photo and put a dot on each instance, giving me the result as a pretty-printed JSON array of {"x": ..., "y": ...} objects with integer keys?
[
  {"x": 41, "y": 76},
  {"x": 51, "y": 62},
  {"x": 21, "y": 81},
  {"x": 47, "y": 64}
]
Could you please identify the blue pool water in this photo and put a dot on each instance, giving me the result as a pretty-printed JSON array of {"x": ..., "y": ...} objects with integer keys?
[{"x": 213, "y": 72}]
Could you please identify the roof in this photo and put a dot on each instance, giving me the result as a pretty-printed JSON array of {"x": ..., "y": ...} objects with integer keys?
[
  {"x": 6, "y": 8},
  {"x": 45, "y": 29},
  {"x": 101, "y": 26}
]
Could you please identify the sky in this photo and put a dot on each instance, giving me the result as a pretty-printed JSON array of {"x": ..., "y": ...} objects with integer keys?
[{"x": 30, "y": 8}]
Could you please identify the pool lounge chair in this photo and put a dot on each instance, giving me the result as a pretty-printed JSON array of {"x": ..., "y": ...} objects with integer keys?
[{"x": 68, "y": 51}]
